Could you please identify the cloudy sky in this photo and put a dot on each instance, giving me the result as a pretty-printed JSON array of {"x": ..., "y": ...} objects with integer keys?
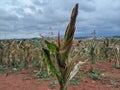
[{"x": 30, "y": 18}]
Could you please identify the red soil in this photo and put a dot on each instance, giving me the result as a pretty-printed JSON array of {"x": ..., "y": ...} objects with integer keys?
[{"x": 16, "y": 82}]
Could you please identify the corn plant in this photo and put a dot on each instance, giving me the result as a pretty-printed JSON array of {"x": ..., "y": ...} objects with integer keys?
[
  {"x": 66, "y": 68},
  {"x": 104, "y": 48},
  {"x": 92, "y": 55},
  {"x": 117, "y": 57}
]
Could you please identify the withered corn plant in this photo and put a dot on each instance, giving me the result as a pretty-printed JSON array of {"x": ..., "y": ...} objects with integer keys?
[
  {"x": 19, "y": 54},
  {"x": 66, "y": 69},
  {"x": 105, "y": 48},
  {"x": 92, "y": 55},
  {"x": 117, "y": 56}
]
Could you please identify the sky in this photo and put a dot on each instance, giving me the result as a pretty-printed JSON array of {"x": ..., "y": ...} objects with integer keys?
[{"x": 30, "y": 18}]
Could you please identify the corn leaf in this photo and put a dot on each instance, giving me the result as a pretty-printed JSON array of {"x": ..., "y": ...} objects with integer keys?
[
  {"x": 71, "y": 66},
  {"x": 36, "y": 43},
  {"x": 46, "y": 55},
  {"x": 51, "y": 46},
  {"x": 71, "y": 26},
  {"x": 75, "y": 70}
]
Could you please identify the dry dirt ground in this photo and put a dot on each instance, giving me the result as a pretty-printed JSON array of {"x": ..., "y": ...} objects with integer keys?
[{"x": 109, "y": 80}]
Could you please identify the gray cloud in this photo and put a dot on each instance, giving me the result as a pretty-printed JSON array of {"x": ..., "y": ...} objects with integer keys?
[
  {"x": 43, "y": 16},
  {"x": 7, "y": 22}
]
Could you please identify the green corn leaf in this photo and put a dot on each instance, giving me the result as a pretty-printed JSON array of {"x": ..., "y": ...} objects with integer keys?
[
  {"x": 46, "y": 55},
  {"x": 51, "y": 46},
  {"x": 75, "y": 70},
  {"x": 36, "y": 43}
]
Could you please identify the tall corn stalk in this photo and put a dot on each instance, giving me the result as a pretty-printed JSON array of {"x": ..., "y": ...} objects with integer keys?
[{"x": 66, "y": 68}]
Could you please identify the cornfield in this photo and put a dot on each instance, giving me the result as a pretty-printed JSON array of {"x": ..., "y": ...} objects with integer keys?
[{"x": 13, "y": 52}]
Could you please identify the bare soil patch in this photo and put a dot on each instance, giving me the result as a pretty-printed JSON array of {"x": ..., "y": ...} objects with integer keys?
[{"x": 109, "y": 80}]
